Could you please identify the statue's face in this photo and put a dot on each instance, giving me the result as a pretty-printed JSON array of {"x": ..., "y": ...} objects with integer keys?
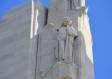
[
  {"x": 70, "y": 23},
  {"x": 65, "y": 22}
]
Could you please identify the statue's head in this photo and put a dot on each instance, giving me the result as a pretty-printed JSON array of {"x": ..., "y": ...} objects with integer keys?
[
  {"x": 70, "y": 23},
  {"x": 65, "y": 22}
]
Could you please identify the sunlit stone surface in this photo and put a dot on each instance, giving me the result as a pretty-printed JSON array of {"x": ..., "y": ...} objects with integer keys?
[
  {"x": 18, "y": 44},
  {"x": 29, "y": 43}
]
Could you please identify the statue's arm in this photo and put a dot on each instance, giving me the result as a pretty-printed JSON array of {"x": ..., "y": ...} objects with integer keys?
[{"x": 72, "y": 32}]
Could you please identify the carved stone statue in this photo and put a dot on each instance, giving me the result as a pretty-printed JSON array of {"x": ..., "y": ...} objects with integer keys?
[
  {"x": 71, "y": 34},
  {"x": 62, "y": 37},
  {"x": 66, "y": 37}
]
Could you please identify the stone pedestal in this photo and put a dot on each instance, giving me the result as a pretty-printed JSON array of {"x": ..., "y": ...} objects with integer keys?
[{"x": 62, "y": 70}]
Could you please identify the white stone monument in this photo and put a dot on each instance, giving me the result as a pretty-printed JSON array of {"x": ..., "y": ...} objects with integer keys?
[{"x": 41, "y": 43}]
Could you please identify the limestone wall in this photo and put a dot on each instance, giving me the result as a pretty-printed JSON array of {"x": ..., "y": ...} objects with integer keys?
[
  {"x": 82, "y": 47},
  {"x": 18, "y": 41},
  {"x": 27, "y": 48}
]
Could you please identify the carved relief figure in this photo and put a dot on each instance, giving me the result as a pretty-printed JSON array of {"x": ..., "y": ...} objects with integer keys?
[
  {"x": 71, "y": 34},
  {"x": 66, "y": 37},
  {"x": 62, "y": 36},
  {"x": 74, "y": 4}
]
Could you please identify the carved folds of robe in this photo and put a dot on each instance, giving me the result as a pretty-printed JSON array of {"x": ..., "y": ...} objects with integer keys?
[{"x": 66, "y": 37}]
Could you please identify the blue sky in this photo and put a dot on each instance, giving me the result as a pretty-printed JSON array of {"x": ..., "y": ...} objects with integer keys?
[{"x": 100, "y": 13}]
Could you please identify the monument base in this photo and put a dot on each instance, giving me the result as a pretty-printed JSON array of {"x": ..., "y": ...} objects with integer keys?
[{"x": 62, "y": 70}]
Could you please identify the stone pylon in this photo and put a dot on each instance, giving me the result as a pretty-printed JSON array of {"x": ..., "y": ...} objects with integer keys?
[
  {"x": 29, "y": 43},
  {"x": 82, "y": 65},
  {"x": 19, "y": 29}
]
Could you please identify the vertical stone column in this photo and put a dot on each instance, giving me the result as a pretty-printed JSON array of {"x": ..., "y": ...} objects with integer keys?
[
  {"x": 82, "y": 48},
  {"x": 82, "y": 3},
  {"x": 19, "y": 29}
]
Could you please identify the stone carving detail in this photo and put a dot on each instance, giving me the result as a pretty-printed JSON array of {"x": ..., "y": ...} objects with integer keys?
[
  {"x": 73, "y": 4},
  {"x": 65, "y": 77},
  {"x": 66, "y": 35}
]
